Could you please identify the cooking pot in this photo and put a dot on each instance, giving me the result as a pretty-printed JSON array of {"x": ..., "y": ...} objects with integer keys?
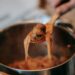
[{"x": 11, "y": 49}]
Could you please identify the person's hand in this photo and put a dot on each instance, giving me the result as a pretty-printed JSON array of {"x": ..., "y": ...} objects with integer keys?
[{"x": 62, "y": 8}]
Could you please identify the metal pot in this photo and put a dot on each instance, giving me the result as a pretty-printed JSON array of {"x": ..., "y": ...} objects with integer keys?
[{"x": 11, "y": 49}]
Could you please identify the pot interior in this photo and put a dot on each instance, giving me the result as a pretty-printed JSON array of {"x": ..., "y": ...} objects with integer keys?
[{"x": 12, "y": 48}]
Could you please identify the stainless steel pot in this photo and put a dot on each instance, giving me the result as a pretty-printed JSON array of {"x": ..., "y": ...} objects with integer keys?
[{"x": 11, "y": 49}]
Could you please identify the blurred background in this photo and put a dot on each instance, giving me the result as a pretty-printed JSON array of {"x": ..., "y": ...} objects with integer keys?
[{"x": 12, "y": 11}]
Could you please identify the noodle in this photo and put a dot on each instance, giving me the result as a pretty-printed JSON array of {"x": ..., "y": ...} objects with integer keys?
[
  {"x": 48, "y": 39},
  {"x": 26, "y": 45},
  {"x": 48, "y": 47},
  {"x": 49, "y": 30}
]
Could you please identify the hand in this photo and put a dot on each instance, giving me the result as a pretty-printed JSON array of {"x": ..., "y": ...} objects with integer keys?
[{"x": 62, "y": 8}]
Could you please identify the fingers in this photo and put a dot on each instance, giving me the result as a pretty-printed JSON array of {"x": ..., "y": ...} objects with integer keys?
[
  {"x": 61, "y": 8},
  {"x": 64, "y": 8}
]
